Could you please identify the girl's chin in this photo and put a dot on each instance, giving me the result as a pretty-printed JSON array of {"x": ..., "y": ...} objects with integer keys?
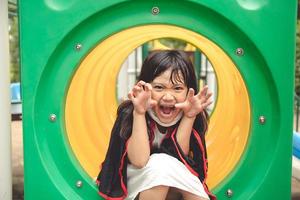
[{"x": 165, "y": 121}]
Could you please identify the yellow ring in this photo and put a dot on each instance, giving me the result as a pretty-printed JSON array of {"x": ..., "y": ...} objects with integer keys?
[{"x": 91, "y": 100}]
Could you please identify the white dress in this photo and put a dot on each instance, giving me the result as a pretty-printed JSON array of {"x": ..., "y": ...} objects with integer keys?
[{"x": 162, "y": 169}]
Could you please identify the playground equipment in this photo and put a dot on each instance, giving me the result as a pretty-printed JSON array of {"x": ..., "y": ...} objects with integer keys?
[
  {"x": 296, "y": 155},
  {"x": 16, "y": 103},
  {"x": 69, "y": 72}
]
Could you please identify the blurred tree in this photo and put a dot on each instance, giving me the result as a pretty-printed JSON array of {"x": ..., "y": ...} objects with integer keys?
[
  {"x": 13, "y": 41},
  {"x": 173, "y": 43}
]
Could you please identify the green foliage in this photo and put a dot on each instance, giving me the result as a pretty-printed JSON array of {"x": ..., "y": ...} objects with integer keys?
[
  {"x": 13, "y": 43},
  {"x": 14, "y": 51},
  {"x": 173, "y": 43}
]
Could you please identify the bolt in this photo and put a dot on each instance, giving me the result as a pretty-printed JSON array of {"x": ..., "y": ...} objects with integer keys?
[
  {"x": 262, "y": 119},
  {"x": 52, "y": 117},
  {"x": 239, "y": 51},
  {"x": 155, "y": 10},
  {"x": 79, "y": 184},
  {"x": 229, "y": 193},
  {"x": 78, "y": 47}
]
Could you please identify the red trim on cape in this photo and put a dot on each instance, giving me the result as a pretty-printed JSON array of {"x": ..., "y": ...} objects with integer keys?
[
  {"x": 204, "y": 163},
  {"x": 182, "y": 159},
  {"x": 120, "y": 170},
  {"x": 153, "y": 125},
  {"x": 110, "y": 198},
  {"x": 106, "y": 197}
]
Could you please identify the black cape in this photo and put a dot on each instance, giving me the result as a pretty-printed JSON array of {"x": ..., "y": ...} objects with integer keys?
[{"x": 112, "y": 179}]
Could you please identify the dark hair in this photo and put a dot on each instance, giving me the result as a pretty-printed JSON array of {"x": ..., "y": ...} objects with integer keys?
[
  {"x": 154, "y": 65},
  {"x": 178, "y": 61}
]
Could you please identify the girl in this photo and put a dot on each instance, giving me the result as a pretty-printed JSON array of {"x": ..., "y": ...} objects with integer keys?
[{"x": 157, "y": 146}]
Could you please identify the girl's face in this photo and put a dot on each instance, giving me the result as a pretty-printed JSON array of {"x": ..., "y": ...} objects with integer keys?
[{"x": 167, "y": 95}]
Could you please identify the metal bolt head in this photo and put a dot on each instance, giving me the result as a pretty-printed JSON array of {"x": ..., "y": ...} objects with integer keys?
[
  {"x": 79, "y": 184},
  {"x": 262, "y": 119},
  {"x": 52, "y": 117},
  {"x": 155, "y": 10},
  {"x": 239, "y": 51},
  {"x": 229, "y": 193},
  {"x": 78, "y": 47}
]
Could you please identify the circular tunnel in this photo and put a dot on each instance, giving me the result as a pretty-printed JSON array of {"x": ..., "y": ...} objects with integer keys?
[{"x": 78, "y": 85}]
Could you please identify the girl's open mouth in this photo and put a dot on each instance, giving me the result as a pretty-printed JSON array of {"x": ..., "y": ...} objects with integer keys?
[{"x": 166, "y": 110}]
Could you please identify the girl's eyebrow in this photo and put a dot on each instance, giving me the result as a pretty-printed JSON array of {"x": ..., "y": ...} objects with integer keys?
[
  {"x": 157, "y": 83},
  {"x": 178, "y": 84}
]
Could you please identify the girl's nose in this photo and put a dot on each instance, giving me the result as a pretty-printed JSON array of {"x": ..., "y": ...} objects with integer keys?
[{"x": 168, "y": 97}]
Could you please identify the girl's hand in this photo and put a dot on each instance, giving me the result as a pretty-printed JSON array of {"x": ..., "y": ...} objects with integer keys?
[
  {"x": 194, "y": 104},
  {"x": 140, "y": 96}
]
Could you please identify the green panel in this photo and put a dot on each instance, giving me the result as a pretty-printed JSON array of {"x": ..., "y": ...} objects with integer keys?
[{"x": 50, "y": 29}]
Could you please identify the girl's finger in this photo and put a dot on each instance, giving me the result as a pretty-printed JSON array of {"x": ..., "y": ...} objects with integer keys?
[
  {"x": 130, "y": 96},
  {"x": 209, "y": 95},
  {"x": 205, "y": 99},
  {"x": 136, "y": 89},
  {"x": 191, "y": 93},
  {"x": 141, "y": 83},
  {"x": 206, "y": 104},
  {"x": 148, "y": 87},
  {"x": 203, "y": 91},
  {"x": 180, "y": 105}
]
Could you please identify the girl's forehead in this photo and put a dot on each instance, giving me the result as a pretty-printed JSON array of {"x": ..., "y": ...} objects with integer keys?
[{"x": 165, "y": 78}]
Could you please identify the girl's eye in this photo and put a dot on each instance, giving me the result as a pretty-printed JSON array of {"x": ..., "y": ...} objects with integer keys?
[
  {"x": 158, "y": 87},
  {"x": 178, "y": 88}
]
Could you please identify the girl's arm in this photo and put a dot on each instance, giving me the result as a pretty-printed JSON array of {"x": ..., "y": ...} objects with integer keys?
[
  {"x": 192, "y": 106},
  {"x": 138, "y": 145},
  {"x": 184, "y": 133}
]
